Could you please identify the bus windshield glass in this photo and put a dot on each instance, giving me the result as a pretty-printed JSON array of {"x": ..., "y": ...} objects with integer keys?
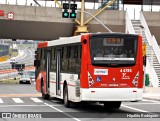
[{"x": 113, "y": 50}]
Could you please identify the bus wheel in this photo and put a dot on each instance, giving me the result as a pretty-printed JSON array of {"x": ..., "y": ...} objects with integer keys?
[
  {"x": 112, "y": 105},
  {"x": 44, "y": 96},
  {"x": 65, "y": 97}
]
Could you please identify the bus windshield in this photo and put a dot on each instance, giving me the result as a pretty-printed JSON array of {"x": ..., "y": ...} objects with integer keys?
[{"x": 113, "y": 50}]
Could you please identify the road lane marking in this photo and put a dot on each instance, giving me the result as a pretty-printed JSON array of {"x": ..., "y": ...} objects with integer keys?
[
  {"x": 62, "y": 112},
  {"x": 142, "y": 103},
  {"x": 17, "y": 100},
  {"x": 36, "y": 100},
  {"x": 1, "y": 101},
  {"x": 136, "y": 109},
  {"x": 154, "y": 101}
]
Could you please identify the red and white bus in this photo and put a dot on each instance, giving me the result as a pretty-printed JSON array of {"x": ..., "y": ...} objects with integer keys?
[{"x": 100, "y": 67}]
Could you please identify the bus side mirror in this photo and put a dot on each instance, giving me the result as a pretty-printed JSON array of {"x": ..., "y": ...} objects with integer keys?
[
  {"x": 36, "y": 63},
  {"x": 144, "y": 60}
]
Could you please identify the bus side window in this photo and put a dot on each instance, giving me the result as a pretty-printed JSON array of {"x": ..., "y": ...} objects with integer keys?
[
  {"x": 76, "y": 52},
  {"x": 64, "y": 53},
  {"x": 53, "y": 60},
  {"x": 42, "y": 54},
  {"x": 72, "y": 60},
  {"x": 68, "y": 51},
  {"x": 42, "y": 60},
  {"x": 38, "y": 57},
  {"x": 72, "y": 52},
  {"x": 78, "y": 59},
  {"x": 64, "y": 60}
]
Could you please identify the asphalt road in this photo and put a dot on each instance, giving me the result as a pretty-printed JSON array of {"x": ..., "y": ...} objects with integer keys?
[
  {"x": 17, "y": 89},
  {"x": 23, "y": 100}
]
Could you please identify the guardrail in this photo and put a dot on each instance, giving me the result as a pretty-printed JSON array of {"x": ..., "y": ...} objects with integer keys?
[
  {"x": 12, "y": 73},
  {"x": 8, "y": 75},
  {"x": 3, "y": 67}
]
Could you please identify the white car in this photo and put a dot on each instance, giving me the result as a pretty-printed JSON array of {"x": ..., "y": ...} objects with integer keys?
[
  {"x": 31, "y": 75},
  {"x": 13, "y": 61},
  {"x": 25, "y": 79}
]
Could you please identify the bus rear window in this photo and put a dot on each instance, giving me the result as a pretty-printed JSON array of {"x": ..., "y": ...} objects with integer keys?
[{"x": 113, "y": 50}]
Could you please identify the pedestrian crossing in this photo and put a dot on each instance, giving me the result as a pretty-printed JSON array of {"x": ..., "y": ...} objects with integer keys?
[
  {"x": 36, "y": 100},
  {"x": 21, "y": 100},
  {"x": 17, "y": 100}
]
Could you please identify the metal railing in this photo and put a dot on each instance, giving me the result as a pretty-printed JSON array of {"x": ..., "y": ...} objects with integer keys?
[
  {"x": 154, "y": 45},
  {"x": 129, "y": 26},
  {"x": 151, "y": 38},
  {"x": 146, "y": 29},
  {"x": 3, "y": 67}
]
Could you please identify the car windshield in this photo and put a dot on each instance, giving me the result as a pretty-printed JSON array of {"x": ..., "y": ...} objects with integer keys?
[
  {"x": 12, "y": 60},
  {"x": 31, "y": 73},
  {"x": 25, "y": 76}
]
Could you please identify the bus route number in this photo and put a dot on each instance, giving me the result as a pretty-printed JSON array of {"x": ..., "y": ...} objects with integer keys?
[{"x": 126, "y": 70}]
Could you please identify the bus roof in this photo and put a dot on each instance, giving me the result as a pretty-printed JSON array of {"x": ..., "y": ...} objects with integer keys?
[
  {"x": 77, "y": 39},
  {"x": 60, "y": 41}
]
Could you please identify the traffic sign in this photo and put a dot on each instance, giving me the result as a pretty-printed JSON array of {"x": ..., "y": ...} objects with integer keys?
[{"x": 10, "y": 15}]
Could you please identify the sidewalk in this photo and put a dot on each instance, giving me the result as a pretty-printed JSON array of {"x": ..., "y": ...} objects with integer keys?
[{"x": 152, "y": 93}]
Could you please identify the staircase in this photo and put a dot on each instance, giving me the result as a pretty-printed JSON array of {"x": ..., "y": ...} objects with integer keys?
[{"x": 151, "y": 56}]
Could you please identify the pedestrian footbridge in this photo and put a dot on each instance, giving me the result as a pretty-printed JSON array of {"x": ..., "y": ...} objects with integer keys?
[
  {"x": 46, "y": 23},
  {"x": 148, "y": 26}
]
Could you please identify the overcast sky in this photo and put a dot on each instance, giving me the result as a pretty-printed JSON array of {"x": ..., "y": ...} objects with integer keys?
[{"x": 130, "y": 8}]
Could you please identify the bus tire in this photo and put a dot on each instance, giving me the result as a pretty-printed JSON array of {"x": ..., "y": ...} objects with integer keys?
[
  {"x": 112, "y": 105},
  {"x": 65, "y": 97},
  {"x": 44, "y": 96}
]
